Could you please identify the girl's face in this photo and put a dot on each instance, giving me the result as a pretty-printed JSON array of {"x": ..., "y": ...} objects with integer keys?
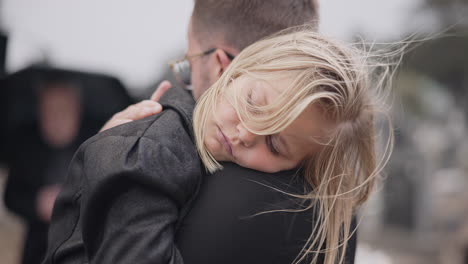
[{"x": 227, "y": 139}]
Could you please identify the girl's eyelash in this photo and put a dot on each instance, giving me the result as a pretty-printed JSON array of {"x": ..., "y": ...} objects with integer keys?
[
  {"x": 271, "y": 146},
  {"x": 268, "y": 139}
]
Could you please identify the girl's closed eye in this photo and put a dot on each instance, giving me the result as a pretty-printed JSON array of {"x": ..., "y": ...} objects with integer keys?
[
  {"x": 252, "y": 101},
  {"x": 271, "y": 146}
]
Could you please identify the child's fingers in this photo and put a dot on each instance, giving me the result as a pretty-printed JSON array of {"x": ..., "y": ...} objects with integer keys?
[
  {"x": 161, "y": 90},
  {"x": 141, "y": 110},
  {"x": 134, "y": 112},
  {"x": 148, "y": 103},
  {"x": 145, "y": 112},
  {"x": 114, "y": 122}
]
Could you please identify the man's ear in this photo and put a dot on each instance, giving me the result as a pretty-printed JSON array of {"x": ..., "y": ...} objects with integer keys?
[{"x": 222, "y": 61}]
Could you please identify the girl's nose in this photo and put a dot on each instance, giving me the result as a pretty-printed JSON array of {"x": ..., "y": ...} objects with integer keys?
[{"x": 246, "y": 137}]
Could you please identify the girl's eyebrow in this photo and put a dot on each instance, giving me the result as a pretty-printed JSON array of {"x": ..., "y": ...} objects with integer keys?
[{"x": 262, "y": 88}]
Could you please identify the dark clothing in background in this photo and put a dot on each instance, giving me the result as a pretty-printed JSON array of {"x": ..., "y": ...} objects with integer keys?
[
  {"x": 137, "y": 193},
  {"x": 32, "y": 163}
]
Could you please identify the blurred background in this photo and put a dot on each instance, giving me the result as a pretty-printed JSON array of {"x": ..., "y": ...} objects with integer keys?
[{"x": 78, "y": 62}]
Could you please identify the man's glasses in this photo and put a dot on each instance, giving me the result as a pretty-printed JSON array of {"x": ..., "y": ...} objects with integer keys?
[{"x": 182, "y": 70}]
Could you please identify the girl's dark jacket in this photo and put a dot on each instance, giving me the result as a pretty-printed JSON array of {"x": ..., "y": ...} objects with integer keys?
[{"x": 129, "y": 188}]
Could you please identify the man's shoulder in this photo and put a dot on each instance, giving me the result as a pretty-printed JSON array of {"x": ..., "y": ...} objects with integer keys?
[
  {"x": 141, "y": 154},
  {"x": 256, "y": 214},
  {"x": 147, "y": 149},
  {"x": 281, "y": 182},
  {"x": 163, "y": 129},
  {"x": 249, "y": 191},
  {"x": 252, "y": 211}
]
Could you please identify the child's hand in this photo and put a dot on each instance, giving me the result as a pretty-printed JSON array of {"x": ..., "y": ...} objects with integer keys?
[{"x": 139, "y": 110}]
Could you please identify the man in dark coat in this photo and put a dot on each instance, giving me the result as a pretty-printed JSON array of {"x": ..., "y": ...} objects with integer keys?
[{"x": 124, "y": 215}]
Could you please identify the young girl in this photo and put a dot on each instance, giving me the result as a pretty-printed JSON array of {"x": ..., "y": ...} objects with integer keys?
[
  {"x": 296, "y": 100},
  {"x": 301, "y": 101}
]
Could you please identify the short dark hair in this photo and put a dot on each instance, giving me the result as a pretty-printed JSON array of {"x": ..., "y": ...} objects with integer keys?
[{"x": 240, "y": 23}]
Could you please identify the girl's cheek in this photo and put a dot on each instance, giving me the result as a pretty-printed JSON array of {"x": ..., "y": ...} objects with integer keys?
[
  {"x": 259, "y": 161},
  {"x": 230, "y": 113},
  {"x": 225, "y": 113}
]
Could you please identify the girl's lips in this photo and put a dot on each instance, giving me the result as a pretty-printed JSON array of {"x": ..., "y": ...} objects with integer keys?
[{"x": 224, "y": 141}]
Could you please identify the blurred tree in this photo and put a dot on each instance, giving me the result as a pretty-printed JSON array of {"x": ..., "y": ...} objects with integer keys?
[
  {"x": 436, "y": 74},
  {"x": 450, "y": 12},
  {"x": 445, "y": 59}
]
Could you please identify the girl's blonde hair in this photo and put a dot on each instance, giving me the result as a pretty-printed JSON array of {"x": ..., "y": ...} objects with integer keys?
[{"x": 339, "y": 80}]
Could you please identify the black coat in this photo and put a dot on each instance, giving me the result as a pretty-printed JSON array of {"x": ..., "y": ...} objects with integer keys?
[
  {"x": 221, "y": 226},
  {"x": 126, "y": 190},
  {"x": 138, "y": 193}
]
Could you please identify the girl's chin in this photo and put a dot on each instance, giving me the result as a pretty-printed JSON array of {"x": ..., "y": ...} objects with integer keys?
[
  {"x": 220, "y": 158},
  {"x": 223, "y": 157}
]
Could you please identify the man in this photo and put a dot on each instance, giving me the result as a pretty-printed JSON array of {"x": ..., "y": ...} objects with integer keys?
[{"x": 220, "y": 227}]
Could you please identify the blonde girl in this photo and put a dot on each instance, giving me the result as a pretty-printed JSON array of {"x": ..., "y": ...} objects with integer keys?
[{"x": 299, "y": 100}]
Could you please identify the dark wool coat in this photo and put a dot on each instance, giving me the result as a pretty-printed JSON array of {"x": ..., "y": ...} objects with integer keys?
[{"x": 138, "y": 193}]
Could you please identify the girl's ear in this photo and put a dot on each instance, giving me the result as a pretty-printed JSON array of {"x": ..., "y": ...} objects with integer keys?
[{"x": 222, "y": 62}]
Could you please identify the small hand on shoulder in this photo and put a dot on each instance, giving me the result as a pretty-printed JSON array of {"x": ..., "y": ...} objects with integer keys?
[{"x": 139, "y": 110}]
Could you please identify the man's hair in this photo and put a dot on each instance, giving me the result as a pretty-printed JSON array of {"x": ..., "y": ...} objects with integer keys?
[{"x": 239, "y": 23}]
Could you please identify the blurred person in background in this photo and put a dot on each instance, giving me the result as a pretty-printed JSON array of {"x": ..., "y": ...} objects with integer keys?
[
  {"x": 38, "y": 160},
  {"x": 47, "y": 121},
  {"x": 215, "y": 229}
]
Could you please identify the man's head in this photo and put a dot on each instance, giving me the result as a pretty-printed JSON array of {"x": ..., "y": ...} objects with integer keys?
[{"x": 232, "y": 25}]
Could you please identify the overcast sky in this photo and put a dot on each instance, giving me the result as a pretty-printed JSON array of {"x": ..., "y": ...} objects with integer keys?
[{"x": 133, "y": 40}]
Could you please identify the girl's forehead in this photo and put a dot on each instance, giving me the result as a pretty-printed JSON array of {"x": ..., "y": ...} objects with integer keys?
[
  {"x": 304, "y": 137},
  {"x": 266, "y": 83},
  {"x": 307, "y": 128}
]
